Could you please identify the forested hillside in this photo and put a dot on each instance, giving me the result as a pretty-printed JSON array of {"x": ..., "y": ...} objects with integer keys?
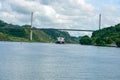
[
  {"x": 109, "y": 36},
  {"x": 10, "y": 32}
]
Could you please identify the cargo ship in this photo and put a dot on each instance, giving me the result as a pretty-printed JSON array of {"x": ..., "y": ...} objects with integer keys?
[{"x": 60, "y": 40}]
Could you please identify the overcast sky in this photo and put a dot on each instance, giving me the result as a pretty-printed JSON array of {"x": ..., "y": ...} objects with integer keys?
[{"x": 76, "y": 14}]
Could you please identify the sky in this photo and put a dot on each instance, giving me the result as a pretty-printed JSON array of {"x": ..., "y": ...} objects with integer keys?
[{"x": 72, "y": 14}]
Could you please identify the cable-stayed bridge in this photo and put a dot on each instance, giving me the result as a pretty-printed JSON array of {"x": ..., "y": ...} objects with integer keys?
[{"x": 31, "y": 28}]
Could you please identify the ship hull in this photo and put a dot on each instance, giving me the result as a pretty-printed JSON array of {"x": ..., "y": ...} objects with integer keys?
[{"x": 59, "y": 42}]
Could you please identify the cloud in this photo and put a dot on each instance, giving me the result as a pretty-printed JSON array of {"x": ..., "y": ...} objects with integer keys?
[
  {"x": 77, "y": 14},
  {"x": 110, "y": 16},
  {"x": 0, "y": 6},
  {"x": 25, "y": 7},
  {"x": 82, "y": 5}
]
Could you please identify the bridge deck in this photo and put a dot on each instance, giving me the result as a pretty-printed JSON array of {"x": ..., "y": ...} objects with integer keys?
[
  {"x": 52, "y": 29},
  {"x": 62, "y": 29}
]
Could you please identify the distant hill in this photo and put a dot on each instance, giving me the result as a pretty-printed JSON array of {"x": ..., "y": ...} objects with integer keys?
[{"x": 10, "y": 32}]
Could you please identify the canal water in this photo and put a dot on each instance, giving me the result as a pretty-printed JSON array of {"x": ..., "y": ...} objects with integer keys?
[{"x": 43, "y": 61}]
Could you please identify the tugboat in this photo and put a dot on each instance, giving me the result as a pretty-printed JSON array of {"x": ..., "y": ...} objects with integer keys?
[{"x": 60, "y": 40}]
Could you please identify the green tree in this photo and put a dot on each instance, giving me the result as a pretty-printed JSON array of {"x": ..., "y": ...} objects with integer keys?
[
  {"x": 118, "y": 42},
  {"x": 85, "y": 40},
  {"x": 100, "y": 42}
]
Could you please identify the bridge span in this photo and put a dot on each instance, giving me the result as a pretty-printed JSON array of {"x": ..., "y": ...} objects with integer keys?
[{"x": 63, "y": 29}]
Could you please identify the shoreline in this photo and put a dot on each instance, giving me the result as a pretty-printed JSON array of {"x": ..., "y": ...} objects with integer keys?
[{"x": 58, "y": 44}]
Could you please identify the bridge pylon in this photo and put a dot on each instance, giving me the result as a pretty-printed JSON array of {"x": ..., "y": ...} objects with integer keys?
[
  {"x": 31, "y": 26},
  {"x": 99, "y": 21}
]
